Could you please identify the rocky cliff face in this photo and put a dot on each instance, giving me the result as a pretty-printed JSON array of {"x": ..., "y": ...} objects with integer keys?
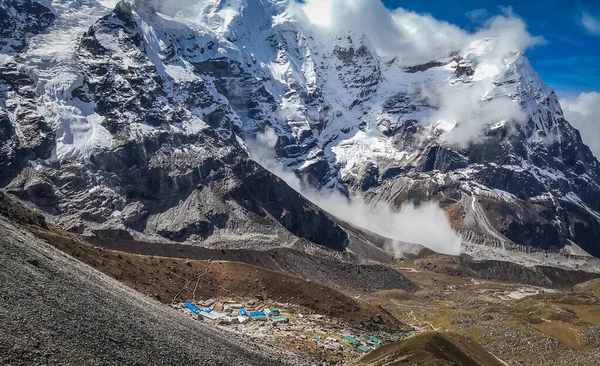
[
  {"x": 533, "y": 183},
  {"x": 138, "y": 152},
  {"x": 20, "y": 18},
  {"x": 24, "y": 133},
  {"x": 134, "y": 121}
]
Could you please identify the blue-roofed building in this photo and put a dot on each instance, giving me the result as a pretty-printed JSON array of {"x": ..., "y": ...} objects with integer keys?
[
  {"x": 193, "y": 308},
  {"x": 243, "y": 312}
]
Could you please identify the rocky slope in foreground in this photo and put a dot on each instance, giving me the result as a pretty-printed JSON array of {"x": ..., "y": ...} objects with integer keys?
[{"x": 56, "y": 310}]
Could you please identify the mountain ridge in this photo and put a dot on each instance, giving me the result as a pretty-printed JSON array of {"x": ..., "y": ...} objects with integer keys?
[{"x": 144, "y": 85}]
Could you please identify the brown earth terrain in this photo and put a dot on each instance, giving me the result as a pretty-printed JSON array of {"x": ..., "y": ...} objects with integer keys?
[
  {"x": 431, "y": 349},
  {"x": 520, "y": 324},
  {"x": 340, "y": 271},
  {"x": 172, "y": 280},
  {"x": 452, "y": 311}
]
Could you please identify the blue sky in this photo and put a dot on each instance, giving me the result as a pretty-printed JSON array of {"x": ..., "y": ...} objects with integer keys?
[{"x": 569, "y": 62}]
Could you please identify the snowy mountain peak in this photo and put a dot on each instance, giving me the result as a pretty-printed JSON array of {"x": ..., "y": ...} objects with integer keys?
[{"x": 170, "y": 86}]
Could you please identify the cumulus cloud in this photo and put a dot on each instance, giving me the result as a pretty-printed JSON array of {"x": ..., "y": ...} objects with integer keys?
[
  {"x": 510, "y": 35},
  {"x": 425, "y": 37},
  {"x": 583, "y": 112},
  {"x": 461, "y": 115},
  {"x": 416, "y": 37},
  {"x": 392, "y": 33},
  {"x": 591, "y": 23},
  {"x": 464, "y": 111},
  {"x": 362, "y": 17},
  {"x": 426, "y": 224}
]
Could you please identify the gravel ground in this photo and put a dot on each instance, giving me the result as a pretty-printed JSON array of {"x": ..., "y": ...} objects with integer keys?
[{"x": 55, "y": 310}]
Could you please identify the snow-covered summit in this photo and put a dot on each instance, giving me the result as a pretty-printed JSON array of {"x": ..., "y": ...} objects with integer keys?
[{"x": 475, "y": 128}]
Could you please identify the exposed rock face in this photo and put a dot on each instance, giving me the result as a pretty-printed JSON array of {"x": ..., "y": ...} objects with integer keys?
[
  {"x": 534, "y": 183},
  {"x": 140, "y": 130},
  {"x": 368, "y": 176},
  {"x": 19, "y": 18},
  {"x": 24, "y": 133},
  {"x": 155, "y": 168}
]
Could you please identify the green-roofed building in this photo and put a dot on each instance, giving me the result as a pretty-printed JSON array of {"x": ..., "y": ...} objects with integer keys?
[
  {"x": 351, "y": 340},
  {"x": 370, "y": 338},
  {"x": 279, "y": 319},
  {"x": 376, "y": 342},
  {"x": 364, "y": 349}
]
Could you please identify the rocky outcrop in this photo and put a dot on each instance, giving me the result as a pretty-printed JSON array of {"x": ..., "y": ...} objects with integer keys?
[
  {"x": 20, "y": 18},
  {"x": 24, "y": 133}
]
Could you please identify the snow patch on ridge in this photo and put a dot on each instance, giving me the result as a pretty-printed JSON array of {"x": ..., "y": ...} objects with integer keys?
[{"x": 51, "y": 61}]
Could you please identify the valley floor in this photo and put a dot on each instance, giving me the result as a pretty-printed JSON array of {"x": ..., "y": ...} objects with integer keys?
[
  {"x": 520, "y": 324},
  {"x": 60, "y": 307}
]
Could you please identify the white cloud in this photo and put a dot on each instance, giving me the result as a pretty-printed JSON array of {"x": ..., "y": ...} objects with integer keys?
[
  {"x": 591, "y": 23},
  {"x": 268, "y": 138},
  {"x": 478, "y": 15},
  {"x": 425, "y": 37},
  {"x": 463, "y": 114},
  {"x": 465, "y": 111},
  {"x": 319, "y": 12},
  {"x": 418, "y": 38},
  {"x": 510, "y": 33},
  {"x": 413, "y": 36},
  {"x": 583, "y": 112},
  {"x": 426, "y": 224}
]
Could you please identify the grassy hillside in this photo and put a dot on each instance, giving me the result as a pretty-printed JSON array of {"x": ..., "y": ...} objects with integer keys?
[{"x": 431, "y": 349}]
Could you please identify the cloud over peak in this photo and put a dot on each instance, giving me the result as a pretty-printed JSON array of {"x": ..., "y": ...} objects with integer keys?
[
  {"x": 590, "y": 23},
  {"x": 415, "y": 36},
  {"x": 583, "y": 112}
]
